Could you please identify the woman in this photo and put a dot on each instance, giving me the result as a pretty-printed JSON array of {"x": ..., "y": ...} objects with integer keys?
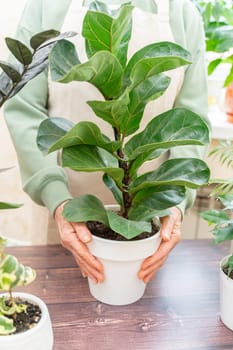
[{"x": 43, "y": 179}]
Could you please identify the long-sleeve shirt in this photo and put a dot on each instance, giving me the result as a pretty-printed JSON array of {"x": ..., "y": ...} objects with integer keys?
[{"x": 43, "y": 179}]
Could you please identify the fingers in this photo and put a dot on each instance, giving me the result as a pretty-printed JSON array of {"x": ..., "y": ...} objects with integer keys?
[
  {"x": 171, "y": 235},
  {"x": 169, "y": 223},
  {"x": 151, "y": 264},
  {"x": 74, "y": 237}
]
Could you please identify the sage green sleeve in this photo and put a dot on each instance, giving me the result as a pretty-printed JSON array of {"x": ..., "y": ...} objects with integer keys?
[
  {"x": 187, "y": 27},
  {"x": 42, "y": 178}
]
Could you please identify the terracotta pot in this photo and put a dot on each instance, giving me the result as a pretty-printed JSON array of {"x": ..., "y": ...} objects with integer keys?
[{"x": 228, "y": 103}]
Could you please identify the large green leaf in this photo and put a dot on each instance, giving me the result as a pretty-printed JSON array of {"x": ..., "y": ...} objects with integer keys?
[
  {"x": 154, "y": 59},
  {"x": 103, "y": 32},
  {"x": 85, "y": 208},
  {"x": 149, "y": 89},
  {"x": 190, "y": 172},
  {"x": 127, "y": 228},
  {"x": 125, "y": 113},
  {"x": 150, "y": 202},
  {"x": 221, "y": 39},
  {"x": 86, "y": 133},
  {"x": 51, "y": 130},
  {"x": 90, "y": 159},
  {"x": 20, "y": 51},
  {"x": 173, "y": 128},
  {"x": 110, "y": 183},
  {"x": 103, "y": 70}
]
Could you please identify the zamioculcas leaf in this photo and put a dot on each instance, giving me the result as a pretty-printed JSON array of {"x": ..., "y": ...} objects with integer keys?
[
  {"x": 173, "y": 128},
  {"x": 12, "y": 73},
  {"x": 114, "y": 38},
  {"x": 85, "y": 208},
  {"x": 20, "y": 51},
  {"x": 85, "y": 133},
  {"x": 39, "y": 39},
  {"x": 127, "y": 228},
  {"x": 149, "y": 203},
  {"x": 190, "y": 172},
  {"x": 51, "y": 130},
  {"x": 90, "y": 159}
]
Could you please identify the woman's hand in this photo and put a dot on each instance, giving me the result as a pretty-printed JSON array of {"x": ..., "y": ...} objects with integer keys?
[
  {"x": 171, "y": 235},
  {"x": 74, "y": 237}
]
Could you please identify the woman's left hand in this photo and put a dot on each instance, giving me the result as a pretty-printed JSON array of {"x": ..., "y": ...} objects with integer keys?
[{"x": 171, "y": 234}]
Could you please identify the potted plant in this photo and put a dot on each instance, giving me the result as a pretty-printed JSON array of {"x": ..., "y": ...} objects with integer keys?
[
  {"x": 222, "y": 229},
  {"x": 126, "y": 87},
  {"x": 218, "y": 24},
  {"x": 222, "y": 223},
  {"x": 21, "y": 312},
  {"x": 24, "y": 318}
]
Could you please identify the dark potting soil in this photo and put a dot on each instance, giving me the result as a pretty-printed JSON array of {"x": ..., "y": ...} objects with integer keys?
[
  {"x": 25, "y": 320},
  {"x": 225, "y": 270},
  {"x": 100, "y": 230}
]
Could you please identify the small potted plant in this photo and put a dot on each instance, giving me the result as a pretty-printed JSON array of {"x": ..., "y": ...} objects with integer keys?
[
  {"x": 222, "y": 230},
  {"x": 123, "y": 238},
  {"x": 24, "y": 318}
]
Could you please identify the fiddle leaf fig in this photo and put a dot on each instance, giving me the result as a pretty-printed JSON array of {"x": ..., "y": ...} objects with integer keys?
[{"x": 127, "y": 85}]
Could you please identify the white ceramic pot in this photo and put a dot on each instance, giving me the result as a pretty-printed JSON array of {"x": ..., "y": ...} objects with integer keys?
[
  {"x": 226, "y": 296},
  {"x": 37, "y": 338},
  {"x": 121, "y": 261}
]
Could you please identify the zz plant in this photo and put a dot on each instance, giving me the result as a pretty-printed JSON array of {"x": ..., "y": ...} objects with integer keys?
[{"x": 126, "y": 86}]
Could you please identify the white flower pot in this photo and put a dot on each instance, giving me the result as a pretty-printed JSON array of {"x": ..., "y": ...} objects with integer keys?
[
  {"x": 37, "y": 338},
  {"x": 121, "y": 261},
  {"x": 226, "y": 297}
]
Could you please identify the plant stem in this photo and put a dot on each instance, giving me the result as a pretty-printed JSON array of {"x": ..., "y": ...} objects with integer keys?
[{"x": 124, "y": 165}]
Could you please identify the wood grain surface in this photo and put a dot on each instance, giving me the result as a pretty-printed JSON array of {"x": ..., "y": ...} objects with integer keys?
[{"x": 179, "y": 311}]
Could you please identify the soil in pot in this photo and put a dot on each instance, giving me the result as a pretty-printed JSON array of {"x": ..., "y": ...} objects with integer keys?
[
  {"x": 225, "y": 270},
  {"x": 100, "y": 230},
  {"x": 27, "y": 319}
]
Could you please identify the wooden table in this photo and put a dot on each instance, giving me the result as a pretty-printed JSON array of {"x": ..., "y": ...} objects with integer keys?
[{"x": 180, "y": 309}]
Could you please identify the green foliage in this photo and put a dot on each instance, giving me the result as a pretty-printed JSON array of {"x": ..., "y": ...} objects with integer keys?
[
  {"x": 126, "y": 87},
  {"x": 12, "y": 274},
  {"x": 218, "y": 23},
  {"x": 29, "y": 61}
]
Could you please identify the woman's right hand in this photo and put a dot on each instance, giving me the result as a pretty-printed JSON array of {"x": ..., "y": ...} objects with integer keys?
[{"x": 74, "y": 237}]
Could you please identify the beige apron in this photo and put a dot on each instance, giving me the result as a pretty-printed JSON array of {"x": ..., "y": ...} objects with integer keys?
[{"x": 69, "y": 100}]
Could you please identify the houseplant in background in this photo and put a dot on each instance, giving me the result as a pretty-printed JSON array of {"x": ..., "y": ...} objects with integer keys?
[
  {"x": 218, "y": 23},
  {"x": 222, "y": 229},
  {"x": 222, "y": 223},
  {"x": 24, "y": 318},
  {"x": 126, "y": 88}
]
